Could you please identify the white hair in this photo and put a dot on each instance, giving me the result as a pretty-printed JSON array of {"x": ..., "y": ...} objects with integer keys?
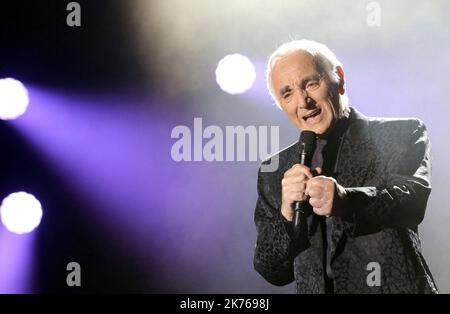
[{"x": 324, "y": 59}]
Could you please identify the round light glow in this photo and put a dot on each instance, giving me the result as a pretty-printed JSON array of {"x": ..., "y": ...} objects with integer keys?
[
  {"x": 13, "y": 99},
  {"x": 20, "y": 212},
  {"x": 235, "y": 74}
]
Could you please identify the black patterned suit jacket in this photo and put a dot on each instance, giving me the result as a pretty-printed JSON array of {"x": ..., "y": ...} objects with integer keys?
[{"x": 385, "y": 167}]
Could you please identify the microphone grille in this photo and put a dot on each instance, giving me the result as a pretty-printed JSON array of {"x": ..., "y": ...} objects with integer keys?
[{"x": 307, "y": 137}]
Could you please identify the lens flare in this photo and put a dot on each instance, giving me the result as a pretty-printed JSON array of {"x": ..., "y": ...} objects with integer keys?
[
  {"x": 13, "y": 99},
  {"x": 21, "y": 212},
  {"x": 235, "y": 74}
]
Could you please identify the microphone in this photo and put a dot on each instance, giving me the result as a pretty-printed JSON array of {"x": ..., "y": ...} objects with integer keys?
[{"x": 307, "y": 143}]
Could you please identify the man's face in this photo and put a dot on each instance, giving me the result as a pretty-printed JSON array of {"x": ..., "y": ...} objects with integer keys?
[{"x": 304, "y": 93}]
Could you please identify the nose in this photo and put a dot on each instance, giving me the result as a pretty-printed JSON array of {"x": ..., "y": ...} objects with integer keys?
[{"x": 304, "y": 101}]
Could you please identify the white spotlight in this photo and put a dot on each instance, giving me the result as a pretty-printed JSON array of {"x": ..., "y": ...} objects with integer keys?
[
  {"x": 235, "y": 74},
  {"x": 13, "y": 99},
  {"x": 20, "y": 212}
]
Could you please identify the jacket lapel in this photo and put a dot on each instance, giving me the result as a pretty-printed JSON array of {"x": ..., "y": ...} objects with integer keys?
[{"x": 355, "y": 145}]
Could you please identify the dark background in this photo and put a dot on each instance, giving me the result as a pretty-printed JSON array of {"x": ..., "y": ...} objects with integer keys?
[
  {"x": 94, "y": 146},
  {"x": 38, "y": 47}
]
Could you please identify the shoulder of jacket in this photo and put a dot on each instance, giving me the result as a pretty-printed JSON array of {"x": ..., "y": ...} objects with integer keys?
[
  {"x": 407, "y": 125},
  {"x": 282, "y": 154}
]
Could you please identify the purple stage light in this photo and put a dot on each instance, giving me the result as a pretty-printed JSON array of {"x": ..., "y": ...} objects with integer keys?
[
  {"x": 20, "y": 212},
  {"x": 13, "y": 99},
  {"x": 235, "y": 74}
]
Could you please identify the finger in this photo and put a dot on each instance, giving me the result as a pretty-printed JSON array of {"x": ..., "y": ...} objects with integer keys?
[
  {"x": 296, "y": 196},
  {"x": 313, "y": 183},
  {"x": 317, "y": 171},
  {"x": 294, "y": 190},
  {"x": 298, "y": 169},
  {"x": 302, "y": 174},
  {"x": 316, "y": 202},
  {"x": 293, "y": 183},
  {"x": 296, "y": 186},
  {"x": 321, "y": 211},
  {"x": 295, "y": 178},
  {"x": 317, "y": 211},
  {"x": 316, "y": 192}
]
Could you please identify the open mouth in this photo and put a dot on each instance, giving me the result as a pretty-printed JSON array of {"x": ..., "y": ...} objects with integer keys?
[{"x": 313, "y": 114}]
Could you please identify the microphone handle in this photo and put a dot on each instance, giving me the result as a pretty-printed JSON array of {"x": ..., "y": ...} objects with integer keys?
[
  {"x": 296, "y": 215},
  {"x": 301, "y": 208}
]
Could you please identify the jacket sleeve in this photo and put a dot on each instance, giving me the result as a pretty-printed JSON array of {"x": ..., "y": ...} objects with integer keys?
[
  {"x": 403, "y": 196},
  {"x": 276, "y": 247}
]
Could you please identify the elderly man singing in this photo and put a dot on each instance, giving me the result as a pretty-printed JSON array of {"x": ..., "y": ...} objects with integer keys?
[{"x": 367, "y": 188}]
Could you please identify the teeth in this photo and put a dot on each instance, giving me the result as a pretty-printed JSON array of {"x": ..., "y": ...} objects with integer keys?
[{"x": 311, "y": 114}]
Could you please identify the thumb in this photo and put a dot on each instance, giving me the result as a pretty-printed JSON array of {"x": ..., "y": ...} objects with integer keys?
[{"x": 317, "y": 171}]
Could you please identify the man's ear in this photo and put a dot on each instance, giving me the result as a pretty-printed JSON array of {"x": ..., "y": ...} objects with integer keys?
[{"x": 341, "y": 74}]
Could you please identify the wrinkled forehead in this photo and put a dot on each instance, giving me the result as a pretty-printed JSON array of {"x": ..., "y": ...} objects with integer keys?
[{"x": 296, "y": 64}]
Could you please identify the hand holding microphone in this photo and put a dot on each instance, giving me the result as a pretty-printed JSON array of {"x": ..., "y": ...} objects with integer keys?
[
  {"x": 293, "y": 188},
  {"x": 304, "y": 192},
  {"x": 293, "y": 184}
]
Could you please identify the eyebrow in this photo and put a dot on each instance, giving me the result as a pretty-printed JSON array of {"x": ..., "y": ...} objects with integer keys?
[{"x": 302, "y": 82}]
